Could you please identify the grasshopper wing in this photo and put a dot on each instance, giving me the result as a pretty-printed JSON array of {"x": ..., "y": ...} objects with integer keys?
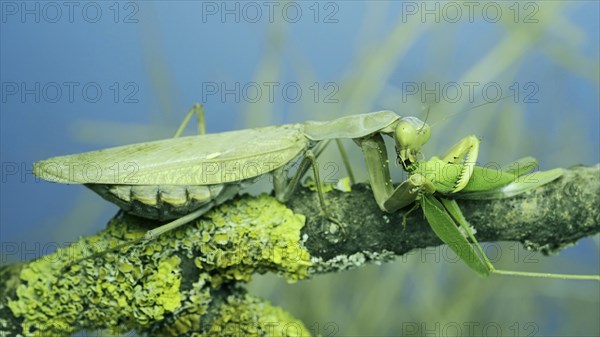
[{"x": 195, "y": 160}]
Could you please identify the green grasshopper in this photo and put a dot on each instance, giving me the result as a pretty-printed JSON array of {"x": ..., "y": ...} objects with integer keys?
[{"x": 431, "y": 182}]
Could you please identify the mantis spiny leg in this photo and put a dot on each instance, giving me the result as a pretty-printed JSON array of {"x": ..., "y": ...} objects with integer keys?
[
  {"x": 388, "y": 198},
  {"x": 464, "y": 152}
]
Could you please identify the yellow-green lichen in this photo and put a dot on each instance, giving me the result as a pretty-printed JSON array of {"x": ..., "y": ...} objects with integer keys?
[
  {"x": 246, "y": 315},
  {"x": 121, "y": 291},
  {"x": 163, "y": 288},
  {"x": 252, "y": 235},
  {"x": 140, "y": 285},
  {"x": 195, "y": 305},
  {"x": 311, "y": 184}
]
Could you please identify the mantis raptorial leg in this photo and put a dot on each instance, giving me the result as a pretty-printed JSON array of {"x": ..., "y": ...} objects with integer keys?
[
  {"x": 171, "y": 181},
  {"x": 464, "y": 152},
  {"x": 388, "y": 198}
]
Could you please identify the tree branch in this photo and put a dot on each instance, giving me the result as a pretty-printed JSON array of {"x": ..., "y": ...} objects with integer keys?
[
  {"x": 547, "y": 220},
  {"x": 189, "y": 280}
]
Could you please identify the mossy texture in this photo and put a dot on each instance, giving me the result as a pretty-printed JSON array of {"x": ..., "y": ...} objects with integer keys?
[{"x": 141, "y": 285}]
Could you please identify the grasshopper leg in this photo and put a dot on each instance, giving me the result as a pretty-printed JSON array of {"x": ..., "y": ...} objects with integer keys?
[{"x": 408, "y": 192}]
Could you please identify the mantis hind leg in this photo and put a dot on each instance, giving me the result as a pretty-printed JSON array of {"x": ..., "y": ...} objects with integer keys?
[
  {"x": 151, "y": 234},
  {"x": 346, "y": 161},
  {"x": 464, "y": 152},
  {"x": 198, "y": 110},
  {"x": 285, "y": 187}
]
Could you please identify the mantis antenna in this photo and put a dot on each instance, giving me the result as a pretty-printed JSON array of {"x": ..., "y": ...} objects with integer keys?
[
  {"x": 425, "y": 121},
  {"x": 471, "y": 108}
]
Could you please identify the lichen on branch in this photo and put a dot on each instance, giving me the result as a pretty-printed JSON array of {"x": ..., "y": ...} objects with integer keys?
[
  {"x": 173, "y": 278},
  {"x": 188, "y": 282}
]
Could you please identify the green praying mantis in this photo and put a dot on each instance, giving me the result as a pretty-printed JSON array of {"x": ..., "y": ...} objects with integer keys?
[
  {"x": 183, "y": 177},
  {"x": 432, "y": 183}
]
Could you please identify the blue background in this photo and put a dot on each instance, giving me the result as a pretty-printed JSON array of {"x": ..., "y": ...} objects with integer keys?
[{"x": 166, "y": 55}]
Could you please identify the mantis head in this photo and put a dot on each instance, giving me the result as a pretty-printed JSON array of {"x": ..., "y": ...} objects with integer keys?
[{"x": 411, "y": 134}]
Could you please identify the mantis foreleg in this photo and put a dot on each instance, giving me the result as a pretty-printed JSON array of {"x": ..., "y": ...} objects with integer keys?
[
  {"x": 388, "y": 198},
  {"x": 464, "y": 152}
]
